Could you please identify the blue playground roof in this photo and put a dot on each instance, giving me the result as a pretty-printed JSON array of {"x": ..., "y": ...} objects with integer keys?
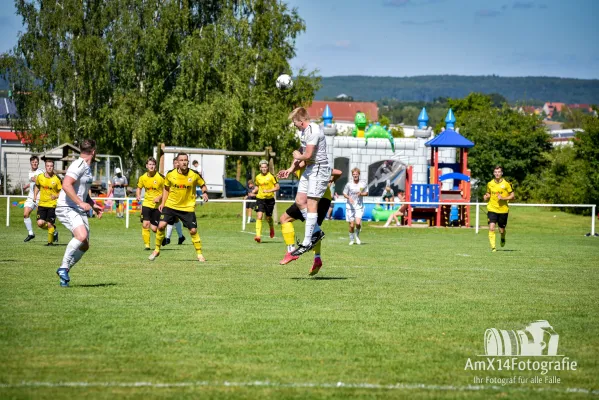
[{"x": 449, "y": 138}]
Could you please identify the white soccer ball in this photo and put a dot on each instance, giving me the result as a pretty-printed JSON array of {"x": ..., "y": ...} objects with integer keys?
[{"x": 284, "y": 82}]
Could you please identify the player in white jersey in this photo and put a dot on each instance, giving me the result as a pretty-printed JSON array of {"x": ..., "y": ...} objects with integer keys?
[
  {"x": 31, "y": 203},
  {"x": 73, "y": 205},
  {"x": 354, "y": 192},
  {"x": 315, "y": 178}
]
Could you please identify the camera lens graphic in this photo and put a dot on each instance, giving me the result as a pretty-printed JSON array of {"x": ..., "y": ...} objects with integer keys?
[{"x": 501, "y": 342}]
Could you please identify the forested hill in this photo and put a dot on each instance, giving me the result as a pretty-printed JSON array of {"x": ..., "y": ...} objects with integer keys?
[{"x": 429, "y": 87}]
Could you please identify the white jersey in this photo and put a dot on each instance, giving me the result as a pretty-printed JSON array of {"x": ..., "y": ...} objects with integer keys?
[
  {"x": 313, "y": 134},
  {"x": 353, "y": 190},
  {"x": 32, "y": 175},
  {"x": 82, "y": 173}
]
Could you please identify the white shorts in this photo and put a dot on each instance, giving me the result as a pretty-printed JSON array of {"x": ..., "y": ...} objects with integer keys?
[
  {"x": 29, "y": 203},
  {"x": 314, "y": 181},
  {"x": 72, "y": 218},
  {"x": 352, "y": 214}
]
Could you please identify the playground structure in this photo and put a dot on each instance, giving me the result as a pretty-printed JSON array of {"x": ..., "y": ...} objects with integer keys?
[{"x": 449, "y": 187}]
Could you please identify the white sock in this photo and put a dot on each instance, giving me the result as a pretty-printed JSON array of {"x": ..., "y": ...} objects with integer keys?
[
  {"x": 358, "y": 232},
  {"x": 290, "y": 248},
  {"x": 28, "y": 225},
  {"x": 178, "y": 228},
  {"x": 351, "y": 237},
  {"x": 249, "y": 220},
  {"x": 69, "y": 254},
  {"x": 310, "y": 224},
  {"x": 76, "y": 257},
  {"x": 169, "y": 231},
  {"x": 304, "y": 212}
]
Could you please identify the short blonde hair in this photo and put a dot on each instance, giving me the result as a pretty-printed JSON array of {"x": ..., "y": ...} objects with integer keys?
[
  {"x": 299, "y": 114},
  {"x": 355, "y": 170},
  {"x": 263, "y": 162}
]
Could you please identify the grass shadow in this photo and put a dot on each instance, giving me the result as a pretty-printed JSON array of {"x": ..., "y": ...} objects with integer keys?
[
  {"x": 96, "y": 285},
  {"x": 322, "y": 278}
]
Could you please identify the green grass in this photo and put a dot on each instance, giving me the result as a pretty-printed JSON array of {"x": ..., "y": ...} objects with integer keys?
[{"x": 408, "y": 307}]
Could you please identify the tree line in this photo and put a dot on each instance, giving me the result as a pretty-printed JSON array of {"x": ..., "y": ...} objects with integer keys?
[
  {"x": 196, "y": 73},
  {"x": 531, "y": 90}
]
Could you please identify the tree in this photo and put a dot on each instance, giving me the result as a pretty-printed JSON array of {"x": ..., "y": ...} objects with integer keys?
[
  {"x": 196, "y": 73},
  {"x": 502, "y": 137}
]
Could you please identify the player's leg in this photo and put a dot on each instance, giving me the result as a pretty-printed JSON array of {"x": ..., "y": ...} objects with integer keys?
[
  {"x": 492, "y": 222},
  {"x": 323, "y": 208},
  {"x": 29, "y": 206},
  {"x": 145, "y": 226},
  {"x": 259, "y": 216},
  {"x": 291, "y": 214},
  {"x": 166, "y": 219},
  {"x": 502, "y": 222},
  {"x": 179, "y": 230},
  {"x": 189, "y": 220},
  {"x": 358, "y": 225},
  {"x": 270, "y": 206},
  {"x": 78, "y": 225},
  {"x": 351, "y": 219}
]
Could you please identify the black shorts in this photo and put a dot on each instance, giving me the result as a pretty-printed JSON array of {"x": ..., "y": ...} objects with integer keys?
[
  {"x": 388, "y": 197},
  {"x": 188, "y": 218},
  {"x": 251, "y": 203},
  {"x": 265, "y": 206},
  {"x": 47, "y": 214},
  {"x": 323, "y": 208},
  {"x": 150, "y": 214},
  {"x": 499, "y": 219}
]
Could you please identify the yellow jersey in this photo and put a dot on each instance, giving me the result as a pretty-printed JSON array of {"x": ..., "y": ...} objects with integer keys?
[
  {"x": 182, "y": 189},
  {"x": 48, "y": 187},
  {"x": 327, "y": 193},
  {"x": 265, "y": 182},
  {"x": 153, "y": 186},
  {"x": 503, "y": 188}
]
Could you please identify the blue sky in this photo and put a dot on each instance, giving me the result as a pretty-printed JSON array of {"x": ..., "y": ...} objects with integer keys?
[{"x": 424, "y": 37}]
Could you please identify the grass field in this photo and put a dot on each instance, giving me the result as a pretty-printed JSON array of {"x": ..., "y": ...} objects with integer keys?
[{"x": 396, "y": 317}]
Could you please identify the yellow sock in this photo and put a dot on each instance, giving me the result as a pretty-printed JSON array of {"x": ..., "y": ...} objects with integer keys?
[
  {"x": 492, "y": 238},
  {"x": 50, "y": 234},
  {"x": 44, "y": 226},
  {"x": 197, "y": 243},
  {"x": 160, "y": 234},
  {"x": 258, "y": 227},
  {"x": 288, "y": 233},
  {"x": 145, "y": 235},
  {"x": 317, "y": 248}
]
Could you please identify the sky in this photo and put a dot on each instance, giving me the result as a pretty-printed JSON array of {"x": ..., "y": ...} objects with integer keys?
[{"x": 429, "y": 37}]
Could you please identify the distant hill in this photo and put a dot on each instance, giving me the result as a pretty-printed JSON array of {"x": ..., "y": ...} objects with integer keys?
[{"x": 429, "y": 87}]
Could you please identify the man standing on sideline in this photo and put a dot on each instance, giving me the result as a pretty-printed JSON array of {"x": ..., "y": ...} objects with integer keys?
[
  {"x": 354, "y": 192},
  {"x": 499, "y": 192},
  {"x": 153, "y": 183},
  {"x": 30, "y": 203},
  {"x": 266, "y": 187},
  {"x": 73, "y": 205},
  {"x": 315, "y": 178},
  {"x": 178, "y": 202},
  {"x": 118, "y": 188},
  {"x": 47, "y": 186}
]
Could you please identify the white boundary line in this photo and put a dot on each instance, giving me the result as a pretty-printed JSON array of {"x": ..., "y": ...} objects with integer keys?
[{"x": 298, "y": 385}]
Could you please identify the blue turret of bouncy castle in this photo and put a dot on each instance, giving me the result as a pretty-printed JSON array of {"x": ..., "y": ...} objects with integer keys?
[
  {"x": 422, "y": 119},
  {"x": 327, "y": 116}
]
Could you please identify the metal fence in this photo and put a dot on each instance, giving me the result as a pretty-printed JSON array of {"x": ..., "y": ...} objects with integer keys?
[{"x": 477, "y": 206}]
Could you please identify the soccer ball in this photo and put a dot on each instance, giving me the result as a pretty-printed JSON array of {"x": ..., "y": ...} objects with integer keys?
[{"x": 284, "y": 82}]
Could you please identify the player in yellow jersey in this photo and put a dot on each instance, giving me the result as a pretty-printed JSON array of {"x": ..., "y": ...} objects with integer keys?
[
  {"x": 178, "y": 201},
  {"x": 499, "y": 192},
  {"x": 153, "y": 184},
  {"x": 294, "y": 213},
  {"x": 47, "y": 187},
  {"x": 266, "y": 186}
]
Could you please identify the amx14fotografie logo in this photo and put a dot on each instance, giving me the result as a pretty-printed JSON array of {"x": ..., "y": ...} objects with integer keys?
[{"x": 509, "y": 350}]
